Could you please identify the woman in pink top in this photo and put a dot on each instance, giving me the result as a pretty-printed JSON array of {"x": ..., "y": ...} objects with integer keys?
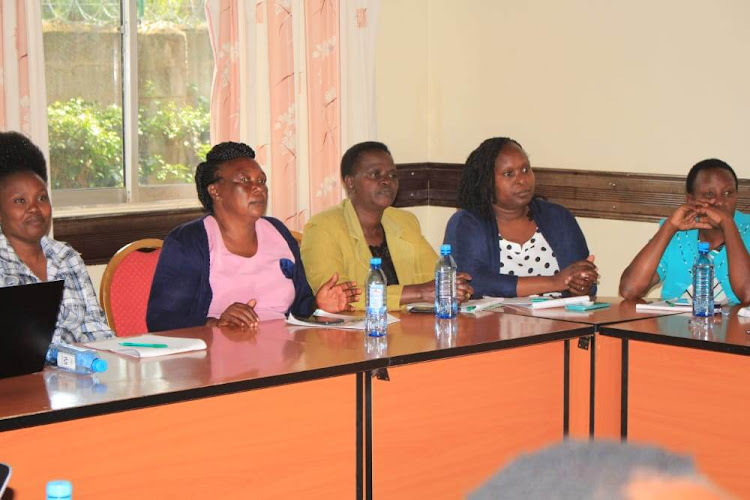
[{"x": 234, "y": 267}]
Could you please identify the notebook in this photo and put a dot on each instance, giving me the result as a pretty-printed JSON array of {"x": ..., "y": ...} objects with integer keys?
[
  {"x": 544, "y": 302},
  {"x": 148, "y": 345},
  {"x": 28, "y": 315}
]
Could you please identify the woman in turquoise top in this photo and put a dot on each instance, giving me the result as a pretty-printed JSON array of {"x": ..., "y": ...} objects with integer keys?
[{"x": 708, "y": 214}]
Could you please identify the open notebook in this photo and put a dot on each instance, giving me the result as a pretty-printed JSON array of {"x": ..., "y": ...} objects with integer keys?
[{"x": 148, "y": 346}]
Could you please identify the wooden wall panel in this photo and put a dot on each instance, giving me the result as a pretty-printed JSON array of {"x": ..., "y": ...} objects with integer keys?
[
  {"x": 598, "y": 194},
  {"x": 607, "y": 195}
]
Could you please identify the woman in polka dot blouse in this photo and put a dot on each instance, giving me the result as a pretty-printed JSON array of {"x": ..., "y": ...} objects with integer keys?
[{"x": 511, "y": 242}]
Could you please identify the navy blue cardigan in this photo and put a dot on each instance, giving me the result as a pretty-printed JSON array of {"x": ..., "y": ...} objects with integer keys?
[
  {"x": 181, "y": 293},
  {"x": 476, "y": 247}
]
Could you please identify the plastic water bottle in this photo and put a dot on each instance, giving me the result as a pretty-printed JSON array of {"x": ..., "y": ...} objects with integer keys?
[
  {"x": 703, "y": 282},
  {"x": 376, "y": 315},
  {"x": 446, "y": 299},
  {"x": 75, "y": 359},
  {"x": 59, "y": 490}
]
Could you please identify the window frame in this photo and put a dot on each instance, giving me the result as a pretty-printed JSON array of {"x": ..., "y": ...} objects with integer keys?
[{"x": 112, "y": 199}]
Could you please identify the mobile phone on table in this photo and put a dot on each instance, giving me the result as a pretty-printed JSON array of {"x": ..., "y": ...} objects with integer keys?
[
  {"x": 586, "y": 307},
  {"x": 422, "y": 309},
  {"x": 322, "y": 320}
]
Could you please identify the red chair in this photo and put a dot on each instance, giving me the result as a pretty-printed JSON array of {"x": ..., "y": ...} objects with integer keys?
[{"x": 126, "y": 285}]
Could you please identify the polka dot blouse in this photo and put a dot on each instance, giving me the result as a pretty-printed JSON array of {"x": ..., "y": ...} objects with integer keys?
[{"x": 532, "y": 258}]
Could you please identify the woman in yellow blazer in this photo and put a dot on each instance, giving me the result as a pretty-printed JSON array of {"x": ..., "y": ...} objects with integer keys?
[{"x": 342, "y": 239}]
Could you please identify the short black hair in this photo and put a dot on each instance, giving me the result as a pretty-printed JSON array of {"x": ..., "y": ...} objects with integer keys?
[
  {"x": 709, "y": 164},
  {"x": 208, "y": 172},
  {"x": 351, "y": 157},
  {"x": 19, "y": 154},
  {"x": 476, "y": 186}
]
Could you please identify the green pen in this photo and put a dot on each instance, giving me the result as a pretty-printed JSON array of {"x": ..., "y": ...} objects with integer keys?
[
  {"x": 669, "y": 303},
  {"x": 469, "y": 308},
  {"x": 141, "y": 344}
]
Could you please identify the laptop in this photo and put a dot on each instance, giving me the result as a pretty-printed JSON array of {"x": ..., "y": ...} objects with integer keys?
[
  {"x": 28, "y": 315},
  {"x": 4, "y": 477}
]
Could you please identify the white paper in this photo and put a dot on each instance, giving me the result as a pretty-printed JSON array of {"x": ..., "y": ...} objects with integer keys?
[
  {"x": 470, "y": 306},
  {"x": 350, "y": 322}
]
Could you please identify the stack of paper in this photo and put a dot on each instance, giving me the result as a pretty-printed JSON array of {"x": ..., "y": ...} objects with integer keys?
[{"x": 148, "y": 346}]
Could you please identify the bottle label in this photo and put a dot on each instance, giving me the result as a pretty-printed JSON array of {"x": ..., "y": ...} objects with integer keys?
[
  {"x": 376, "y": 297},
  {"x": 66, "y": 360}
]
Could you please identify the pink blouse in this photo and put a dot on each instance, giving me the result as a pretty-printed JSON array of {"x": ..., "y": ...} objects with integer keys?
[{"x": 234, "y": 278}]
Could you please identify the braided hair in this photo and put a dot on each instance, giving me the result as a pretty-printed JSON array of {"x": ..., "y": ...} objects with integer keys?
[
  {"x": 476, "y": 186},
  {"x": 19, "y": 154},
  {"x": 208, "y": 172},
  {"x": 709, "y": 164}
]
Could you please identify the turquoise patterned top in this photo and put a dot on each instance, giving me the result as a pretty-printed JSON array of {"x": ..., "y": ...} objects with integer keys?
[{"x": 676, "y": 266}]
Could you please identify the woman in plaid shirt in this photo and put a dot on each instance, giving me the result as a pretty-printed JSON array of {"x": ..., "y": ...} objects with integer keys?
[{"x": 28, "y": 255}]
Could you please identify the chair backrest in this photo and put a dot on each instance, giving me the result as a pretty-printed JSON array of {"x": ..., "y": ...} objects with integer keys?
[
  {"x": 297, "y": 236},
  {"x": 126, "y": 285}
]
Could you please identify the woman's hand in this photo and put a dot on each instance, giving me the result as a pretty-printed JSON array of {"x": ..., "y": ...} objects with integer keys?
[
  {"x": 579, "y": 277},
  {"x": 714, "y": 215},
  {"x": 239, "y": 315},
  {"x": 333, "y": 297},
  {"x": 686, "y": 217},
  {"x": 464, "y": 290},
  {"x": 425, "y": 292}
]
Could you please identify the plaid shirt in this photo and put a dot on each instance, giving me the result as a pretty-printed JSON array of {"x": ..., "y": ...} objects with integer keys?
[{"x": 80, "y": 318}]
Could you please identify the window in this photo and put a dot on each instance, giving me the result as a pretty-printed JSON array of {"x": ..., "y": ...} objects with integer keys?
[{"x": 127, "y": 101}]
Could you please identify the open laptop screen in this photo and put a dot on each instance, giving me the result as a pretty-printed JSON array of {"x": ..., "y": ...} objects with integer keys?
[{"x": 28, "y": 315}]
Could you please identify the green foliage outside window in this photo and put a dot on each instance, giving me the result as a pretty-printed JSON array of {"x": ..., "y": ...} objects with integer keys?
[{"x": 86, "y": 143}]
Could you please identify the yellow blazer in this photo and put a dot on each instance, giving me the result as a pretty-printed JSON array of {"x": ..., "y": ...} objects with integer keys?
[{"x": 333, "y": 241}]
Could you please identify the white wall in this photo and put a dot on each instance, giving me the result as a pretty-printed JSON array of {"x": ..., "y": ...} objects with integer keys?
[{"x": 637, "y": 86}]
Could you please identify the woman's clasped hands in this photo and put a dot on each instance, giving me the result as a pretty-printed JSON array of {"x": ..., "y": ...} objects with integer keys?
[{"x": 579, "y": 277}]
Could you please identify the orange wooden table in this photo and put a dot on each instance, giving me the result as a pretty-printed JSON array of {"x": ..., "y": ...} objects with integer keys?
[
  {"x": 235, "y": 426},
  {"x": 273, "y": 413},
  {"x": 594, "y": 366},
  {"x": 686, "y": 387},
  {"x": 464, "y": 397}
]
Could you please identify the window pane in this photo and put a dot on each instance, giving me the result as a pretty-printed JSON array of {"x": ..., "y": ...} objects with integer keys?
[
  {"x": 82, "y": 48},
  {"x": 175, "y": 67}
]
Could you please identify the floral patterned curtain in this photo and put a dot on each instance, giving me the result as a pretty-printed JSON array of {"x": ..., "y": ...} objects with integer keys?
[{"x": 278, "y": 84}]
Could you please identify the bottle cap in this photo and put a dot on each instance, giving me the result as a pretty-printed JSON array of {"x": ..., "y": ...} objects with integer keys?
[
  {"x": 375, "y": 261},
  {"x": 704, "y": 246},
  {"x": 445, "y": 249},
  {"x": 59, "y": 489},
  {"x": 99, "y": 365}
]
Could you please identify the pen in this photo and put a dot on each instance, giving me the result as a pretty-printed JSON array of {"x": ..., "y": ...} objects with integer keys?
[
  {"x": 470, "y": 308},
  {"x": 669, "y": 303},
  {"x": 141, "y": 344}
]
